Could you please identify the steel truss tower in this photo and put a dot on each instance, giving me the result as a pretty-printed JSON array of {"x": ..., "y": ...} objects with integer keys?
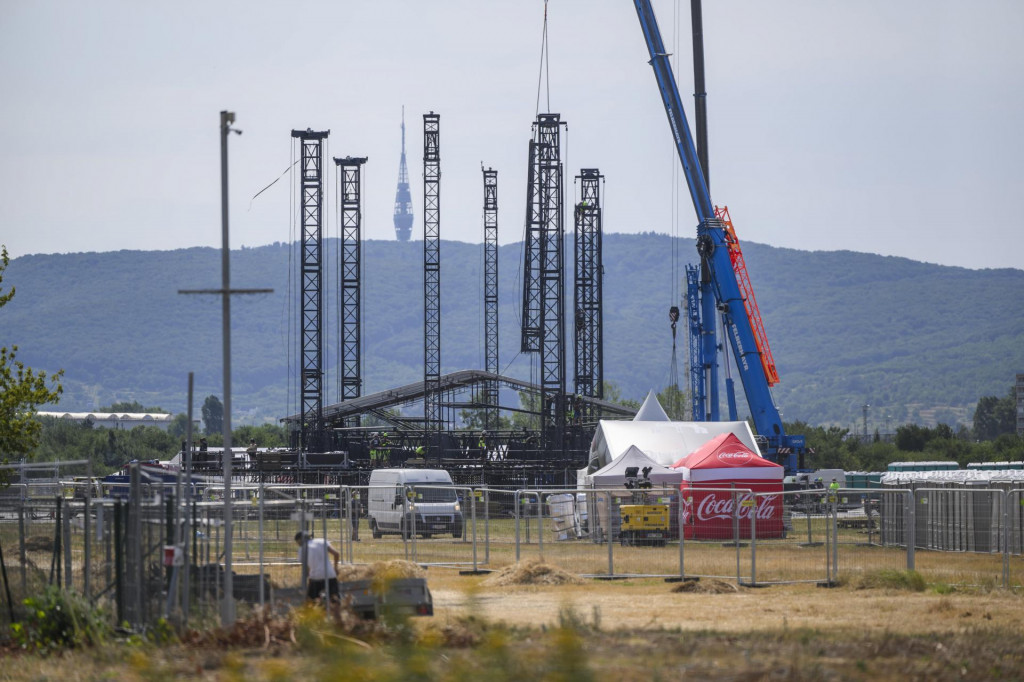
[
  {"x": 350, "y": 337},
  {"x": 490, "y": 394},
  {"x": 432, "y": 273},
  {"x": 403, "y": 199},
  {"x": 531, "y": 327},
  {"x": 551, "y": 237},
  {"x": 311, "y": 437},
  {"x": 589, "y": 346}
]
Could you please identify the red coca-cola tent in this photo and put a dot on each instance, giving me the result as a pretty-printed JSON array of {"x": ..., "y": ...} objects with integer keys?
[{"x": 725, "y": 463}]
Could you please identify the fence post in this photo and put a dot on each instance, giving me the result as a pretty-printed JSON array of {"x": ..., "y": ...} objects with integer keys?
[
  {"x": 327, "y": 558},
  {"x": 261, "y": 493},
  {"x": 472, "y": 502},
  {"x": 412, "y": 522},
  {"x": 753, "y": 540},
  {"x": 21, "y": 544},
  {"x": 911, "y": 527},
  {"x": 86, "y": 539},
  {"x": 516, "y": 508},
  {"x": 1006, "y": 538},
  {"x": 682, "y": 535},
  {"x": 608, "y": 534},
  {"x": 304, "y": 573},
  {"x": 835, "y": 538},
  {"x": 736, "y": 531},
  {"x": 118, "y": 564},
  {"x": 540, "y": 524},
  {"x": 487, "y": 525},
  {"x": 58, "y": 543}
]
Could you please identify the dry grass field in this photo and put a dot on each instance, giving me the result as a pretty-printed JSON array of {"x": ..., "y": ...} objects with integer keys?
[{"x": 537, "y": 622}]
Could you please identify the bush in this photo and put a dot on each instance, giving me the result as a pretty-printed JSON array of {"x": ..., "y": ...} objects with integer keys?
[
  {"x": 59, "y": 620},
  {"x": 911, "y": 581}
]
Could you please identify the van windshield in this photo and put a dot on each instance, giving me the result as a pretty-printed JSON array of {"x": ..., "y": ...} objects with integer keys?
[{"x": 435, "y": 494}]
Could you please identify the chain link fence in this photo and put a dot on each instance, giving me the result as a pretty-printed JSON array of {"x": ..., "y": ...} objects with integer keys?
[{"x": 145, "y": 549}]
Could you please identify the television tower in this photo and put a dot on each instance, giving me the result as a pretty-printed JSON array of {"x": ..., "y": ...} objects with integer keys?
[{"x": 403, "y": 200}]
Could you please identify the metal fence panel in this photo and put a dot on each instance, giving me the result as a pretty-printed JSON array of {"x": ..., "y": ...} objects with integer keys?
[
  {"x": 870, "y": 530},
  {"x": 1014, "y": 543},
  {"x": 802, "y": 549},
  {"x": 962, "y": 520}
]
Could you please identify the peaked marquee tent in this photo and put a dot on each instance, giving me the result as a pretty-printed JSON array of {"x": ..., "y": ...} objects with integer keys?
[{"x": 661, "y": 439}]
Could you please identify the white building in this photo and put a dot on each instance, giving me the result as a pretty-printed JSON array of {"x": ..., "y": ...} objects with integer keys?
[{"x": 115, "y": 420}]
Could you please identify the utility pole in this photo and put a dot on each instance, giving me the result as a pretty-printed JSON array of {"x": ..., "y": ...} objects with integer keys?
[
  {"x": 866, "y": 407},
  {"x": 227, "y": 610}
]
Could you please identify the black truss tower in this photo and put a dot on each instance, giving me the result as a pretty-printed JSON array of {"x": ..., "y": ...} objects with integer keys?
[
  {"x": 589, "y": 348},
  {"x": 311, "y": 437},
  {"x": 432, "y": 273},
  {"x": 531, "y": 326},
  {"x": 490, "y": 394},
  {"x": 551, "y": 236},
  {"x": 350, "y": 337}
]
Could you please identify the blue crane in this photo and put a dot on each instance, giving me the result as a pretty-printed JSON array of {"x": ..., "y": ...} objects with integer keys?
[{"x": 718, "y": 248}]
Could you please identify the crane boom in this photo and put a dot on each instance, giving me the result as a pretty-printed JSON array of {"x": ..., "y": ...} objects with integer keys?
[{"x": 713, "y": 244}]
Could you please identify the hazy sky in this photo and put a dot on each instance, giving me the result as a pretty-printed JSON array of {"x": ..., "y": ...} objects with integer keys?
[{"x": 884, "y": 126}]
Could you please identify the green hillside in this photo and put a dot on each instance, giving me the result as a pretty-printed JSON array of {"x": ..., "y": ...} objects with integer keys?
[{"x": 918, "y": 342}]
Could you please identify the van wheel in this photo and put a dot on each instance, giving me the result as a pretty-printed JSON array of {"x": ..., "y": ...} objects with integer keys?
[{"x": 374, "y": 530}]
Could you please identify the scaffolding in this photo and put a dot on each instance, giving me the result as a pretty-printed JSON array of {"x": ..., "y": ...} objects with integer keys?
[
  {"x": 312, "y": 275},
  {"x": 490, "y": 393},
  {"x": 350, "y": 378},
  {"x": 432, "y": 273},
  {"x": 587, "y": 318}
]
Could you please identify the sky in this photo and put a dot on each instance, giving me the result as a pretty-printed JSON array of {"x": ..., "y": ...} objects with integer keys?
[{"x": 870, "y": 125}]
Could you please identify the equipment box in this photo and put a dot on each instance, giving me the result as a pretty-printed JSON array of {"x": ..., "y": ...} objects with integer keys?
[
  {"x": 402, "y": 596},
  {"x": 643, "y": 524}
]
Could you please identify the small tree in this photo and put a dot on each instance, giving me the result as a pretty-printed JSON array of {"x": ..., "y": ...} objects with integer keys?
[
  {"x": 994, "y": 416},
  {"x": 21, "y": 390},
  {"x": 213, "y": 415}
]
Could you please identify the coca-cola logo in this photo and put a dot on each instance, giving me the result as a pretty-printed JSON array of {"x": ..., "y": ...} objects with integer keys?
[
  {"x": 720, "y": 506},
  {"x": 735, "y": 459}
]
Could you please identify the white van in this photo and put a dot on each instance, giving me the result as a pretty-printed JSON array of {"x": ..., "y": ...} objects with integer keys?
[{"x": 405, "y": 501}]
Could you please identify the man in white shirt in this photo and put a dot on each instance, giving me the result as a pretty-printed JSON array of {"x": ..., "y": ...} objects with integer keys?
[{"x": 314, "y": 552}]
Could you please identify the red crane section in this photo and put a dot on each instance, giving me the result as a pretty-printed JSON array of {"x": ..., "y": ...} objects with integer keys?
[{"x": 739, "y": 266}]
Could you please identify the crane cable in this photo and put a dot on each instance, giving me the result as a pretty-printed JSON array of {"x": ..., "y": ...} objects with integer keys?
[{"x": 676, "y": 298}]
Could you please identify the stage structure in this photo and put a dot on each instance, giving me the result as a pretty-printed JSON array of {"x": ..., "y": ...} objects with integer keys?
[
  {"x": 588, "y": 318},
  {"x": 432, "y": 413},
  {"x": 311, "y": 432},
  {"x": 350, "y": 338},
  {"x": 550, "y": 234},
  {"x": 490, "y": 393}
]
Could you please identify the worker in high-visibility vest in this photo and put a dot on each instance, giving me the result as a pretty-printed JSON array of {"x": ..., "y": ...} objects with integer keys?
[{"x": 833, "y": 491}]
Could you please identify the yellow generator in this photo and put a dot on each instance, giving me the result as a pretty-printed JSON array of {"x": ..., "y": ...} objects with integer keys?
[{"x": 643, "y": 524}]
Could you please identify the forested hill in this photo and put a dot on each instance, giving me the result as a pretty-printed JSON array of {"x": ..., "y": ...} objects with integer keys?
[{"x": 917, "y": 342}]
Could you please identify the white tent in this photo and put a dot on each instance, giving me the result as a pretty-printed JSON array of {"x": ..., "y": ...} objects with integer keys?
[
  {"x": 614, "y": 475},
  {"x": 651, "y": 410},
  {"x": 662, "y": 441}
]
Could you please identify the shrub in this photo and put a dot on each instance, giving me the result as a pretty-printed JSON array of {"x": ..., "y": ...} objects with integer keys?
[{"x": 59, "y": 620}]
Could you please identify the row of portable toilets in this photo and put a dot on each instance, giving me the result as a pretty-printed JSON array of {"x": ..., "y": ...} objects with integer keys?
[{"x": 962, "y": 510}]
